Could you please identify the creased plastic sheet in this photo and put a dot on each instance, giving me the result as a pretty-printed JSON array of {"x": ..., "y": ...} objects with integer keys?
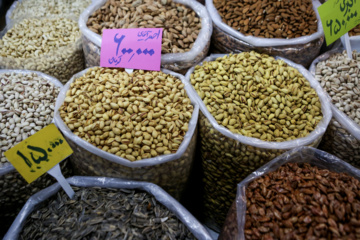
[
  {"x": 168, "y": 171},
  {"x": 341, "y": 127},
  {"x": 227, "y": 158},
  {"x": 310, "y": 155},
  {"x": 164, "y": 198},
  {"x": 301, "y": 50},
  {"x": 178, "y": 62},
  {"x": 60, "y": 63}
]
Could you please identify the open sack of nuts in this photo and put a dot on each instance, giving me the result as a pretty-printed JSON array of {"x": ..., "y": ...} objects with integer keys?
[
  {"x": 253, "y": 108},
  {"x": 339, "y": 76},
  {"x": 105, "y": 208},
  {"x": 138, "y": 126},
  {"x": 186, "y": 35},
  {"x": 49, "y": 45},
  {"x": 303, "y": 194},
  {"x": 22, "y": 9},
  {"x": 290, "y": 29},
  {"x": 27, "y": 102}
]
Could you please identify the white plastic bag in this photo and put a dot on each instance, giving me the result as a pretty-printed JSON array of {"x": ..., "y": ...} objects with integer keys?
[
  {"x": 227, "y": 158},
  {"x": 164, "y": 198},
  {"x": 168, "y": 171},
  {"x": 235, "y": 222},
  {"x": 14, "y": 190},
  {"x": 178, "y": 62},
  {"x": 301, "y": 50},
  {"x": 341, "y": 128}
]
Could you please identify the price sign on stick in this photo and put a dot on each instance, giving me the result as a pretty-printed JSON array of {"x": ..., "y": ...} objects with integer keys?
[
  {"x": 338, "y": 17},
  {"x": 39, "y": 153},
  {"x": 134, "y": 48}
]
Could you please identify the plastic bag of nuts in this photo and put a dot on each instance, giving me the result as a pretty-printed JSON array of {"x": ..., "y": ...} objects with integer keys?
[
  {"x": 185, "y": 42},
  {"x": 49, "y": 45},
  {"x": 339, "y": 77},
  {"x": 255, "y": 25},
  {"x": 139, "y": 144},
  {"x": 319, "y": 199},
  {"x": 22, "y": 9},
  {"x": 27, "y": 100},
  {"x": 260, "y": 109},
  {"x": 152, "y": 211}
]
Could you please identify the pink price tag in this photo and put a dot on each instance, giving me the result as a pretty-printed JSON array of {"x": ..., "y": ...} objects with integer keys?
[{"x": 137, "y": 48}]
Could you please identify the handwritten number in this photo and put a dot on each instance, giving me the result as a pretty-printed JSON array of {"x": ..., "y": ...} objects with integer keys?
[
  {"x": 329, "y": 24},
  {"x": 40, "y": 150},
  {"x": 118, "y": 41},
  {"x": 27, "y": 161}
]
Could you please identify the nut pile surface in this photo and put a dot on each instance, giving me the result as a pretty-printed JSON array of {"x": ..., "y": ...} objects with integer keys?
[
  {"x": 339, "y": 76},
  {"x": 96, "y": 213},
  {"x": 27, "y": 104},
  {"x": 39, "y": 8},
  {"x": 134, "y": 116},
  {"x": 35, "y": 37},
  {"x": 269, "y": 18},
  {"x": 257, "y": 96},
  {"x": 180, "y": 23},
  {"x": 300, "y": 201}
]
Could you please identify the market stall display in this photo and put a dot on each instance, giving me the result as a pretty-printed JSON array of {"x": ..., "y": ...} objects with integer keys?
[
  {"x": 289, "y": 29},
  {"x": 22, "y": 9},
  {"x": 52, "y": 46},
  {"x": 303, "y": 194},
  {"x": 27, "y": 101},
  {"x": 339, "y": 76},
  {"x": 139, "y": 126},
  {"x": 253, "y": 108},
  {"x": 106, "y": 208},
  {"x": 186, "y": 35}
]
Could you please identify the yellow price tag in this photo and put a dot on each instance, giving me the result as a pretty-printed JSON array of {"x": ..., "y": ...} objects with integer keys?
[
  {"x": 338, "y": 17},
  {"x": 39, "y": 153}
]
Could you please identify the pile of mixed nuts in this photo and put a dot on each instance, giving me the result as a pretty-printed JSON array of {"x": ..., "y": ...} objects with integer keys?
[{"x": 135, "y": 116}]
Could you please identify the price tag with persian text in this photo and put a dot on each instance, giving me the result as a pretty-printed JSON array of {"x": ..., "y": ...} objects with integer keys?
[
  {"x": 39, "y": 153},
  {"x": 338, "y": 17},
  {"x": 134, "y": 48}
]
